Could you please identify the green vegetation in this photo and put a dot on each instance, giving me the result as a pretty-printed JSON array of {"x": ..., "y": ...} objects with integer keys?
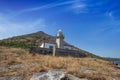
[
  {"x": 36, "y": 39},
  {"x": 26, "y": 41},
  {"x": 16, "y": 44}
]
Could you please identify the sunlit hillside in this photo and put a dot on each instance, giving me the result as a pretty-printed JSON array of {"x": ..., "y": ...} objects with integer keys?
[
  {"x": 36, "y": 39},
  {"x": 16, "y": 62}
]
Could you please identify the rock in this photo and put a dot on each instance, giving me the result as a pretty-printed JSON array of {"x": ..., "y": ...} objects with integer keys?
[
  {"x": 17, "y": 78},
  {"x": 56, "y": 75},
  {"x": 113, "y": 79},
  {"x": 53, "y": 75},
  {"x": 4, "y": 68},
  {"x": 71, "y": 77},
  {"x": 86, "y": 71},
  {"x": 16, "y": 66},
  {"x": 116, "y": 72},
  {"x": 12, "y": 78},
  {"x": 3, "y": 78},
  {"x": 50, "y": 75},
  {"x": 119, "y": 66}
]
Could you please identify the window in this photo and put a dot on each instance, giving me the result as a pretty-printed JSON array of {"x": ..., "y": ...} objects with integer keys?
[
  {"x": 51, "y": 47},
  {"x": 67, "y": 48}
]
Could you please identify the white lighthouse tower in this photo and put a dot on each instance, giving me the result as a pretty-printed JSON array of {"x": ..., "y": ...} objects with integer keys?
[{"x": 59, "y": 39}]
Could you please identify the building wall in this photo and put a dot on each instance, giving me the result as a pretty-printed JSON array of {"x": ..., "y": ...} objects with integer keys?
[
  {"x": 73, "y": 53},
  {"x": 47, "y": 45},
  {"x": 59, "y": 43},
  {"x": 42, "y": 45},
  {"x": 68, "y": 47}
]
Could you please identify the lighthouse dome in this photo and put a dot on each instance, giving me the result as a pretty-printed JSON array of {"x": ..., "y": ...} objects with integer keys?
[{"x": 60, "y": 34}]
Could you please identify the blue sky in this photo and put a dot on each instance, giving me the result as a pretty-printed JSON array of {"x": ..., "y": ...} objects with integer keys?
[{"x": 92, "y": 25}]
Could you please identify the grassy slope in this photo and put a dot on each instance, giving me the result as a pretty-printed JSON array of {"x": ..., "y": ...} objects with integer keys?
[
  {"x": 26, "y": 41},
  {"x": 104, "y": 70},
  {"x": 35, "y": 39}
]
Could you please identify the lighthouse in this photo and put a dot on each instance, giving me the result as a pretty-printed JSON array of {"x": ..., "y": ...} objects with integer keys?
[{"x": 59, "y": 39}]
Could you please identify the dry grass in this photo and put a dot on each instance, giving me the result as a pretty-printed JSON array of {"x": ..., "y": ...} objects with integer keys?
[{"x": 103, "y": 70}]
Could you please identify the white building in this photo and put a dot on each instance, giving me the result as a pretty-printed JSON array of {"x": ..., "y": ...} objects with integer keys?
[
  {"x": 58, "y": 44},
  {"x": 47, "y": 45}
]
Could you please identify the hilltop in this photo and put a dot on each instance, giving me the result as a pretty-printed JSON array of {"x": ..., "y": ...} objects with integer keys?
[
  {"x": 29, "y": 40},
  {"x": 18, "y": 64},
  {"x": 36, "y": 39}
]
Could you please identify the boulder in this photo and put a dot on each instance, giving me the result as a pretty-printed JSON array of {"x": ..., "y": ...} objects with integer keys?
[
  {"x": 50, "y": 75},
  {"x": 54, "y": 75}
]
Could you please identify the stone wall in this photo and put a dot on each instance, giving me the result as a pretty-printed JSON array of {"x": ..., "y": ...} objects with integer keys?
[
  {"x": 59, "y": 52},
  {"x": 73, "y": 53},
  {"x": 41, "y": 50}
]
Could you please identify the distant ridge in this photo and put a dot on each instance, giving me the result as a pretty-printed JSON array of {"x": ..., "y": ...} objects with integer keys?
[
  {"x": 112, "y": 59},
  {"x": 36, "y": 39}
]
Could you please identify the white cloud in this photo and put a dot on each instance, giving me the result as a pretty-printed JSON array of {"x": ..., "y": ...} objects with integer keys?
[
  {"x": 78, "y": 6},
  {"x": 2, "y": 29},
  {"x": 74, "y": 5},
  {"x": 8, "y": 28},
  {"x": 110, "y": 14},
  {"x": 112, "y": 26},
  {"x": 46, "y": 6},
  {"x": 11, "y": 28}
]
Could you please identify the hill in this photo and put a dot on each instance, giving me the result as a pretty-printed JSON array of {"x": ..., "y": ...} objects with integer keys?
[
  {"x": 29, "y": 40},
  {"x": 36, "y": 39},
  {"x": 18, "y": 63}
]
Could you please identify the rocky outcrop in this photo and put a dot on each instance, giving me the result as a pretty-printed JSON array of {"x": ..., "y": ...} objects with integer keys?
[
  {"x": 50, "y": 75},
  {"x": 71, "y": 77},
  {"x": 4, "y": 68},
  {"x": 86, "y": 71},
  {"x": 54, "y": 75},
  {"x": 12, "y": 78}
]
